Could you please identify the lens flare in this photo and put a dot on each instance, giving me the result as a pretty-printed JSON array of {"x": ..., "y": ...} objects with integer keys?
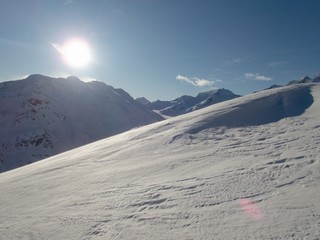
[
  {"x": 250, "y": 208},
  {"x": 75, "y": 52}
]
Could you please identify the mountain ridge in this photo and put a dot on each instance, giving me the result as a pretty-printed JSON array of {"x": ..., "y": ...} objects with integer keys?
[
  {"x": 186, "y": 103},
  {"x": 42, "y": 116}
]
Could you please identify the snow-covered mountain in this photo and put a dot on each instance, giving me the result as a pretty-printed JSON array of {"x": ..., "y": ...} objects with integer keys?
[
  {"x": 143, "y": 100},
  {"x": 247, "y": 168},
  {"x": 306, "y": 79},
  {"x": 316, "y": 79},
  {"x": 42, "y": 116},
  {"x": 185, "y": 104}
]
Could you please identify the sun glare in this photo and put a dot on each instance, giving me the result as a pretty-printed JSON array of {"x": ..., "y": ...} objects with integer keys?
[{"x": 75, "y": 52}]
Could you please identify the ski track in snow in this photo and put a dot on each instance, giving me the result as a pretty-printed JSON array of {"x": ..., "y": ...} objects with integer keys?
[{"x": 163, "y": 182}]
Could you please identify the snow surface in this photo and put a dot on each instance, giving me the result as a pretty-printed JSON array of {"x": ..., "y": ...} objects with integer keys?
[{"x": 203, "y": 175}]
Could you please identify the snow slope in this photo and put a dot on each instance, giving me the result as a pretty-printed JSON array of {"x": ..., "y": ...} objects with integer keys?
[
  {"x": 247, "y": 168},
  {"x": 42, "y": 116}
]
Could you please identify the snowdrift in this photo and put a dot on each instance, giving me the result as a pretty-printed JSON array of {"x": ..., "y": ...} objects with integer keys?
[
  {"x": 222, "y": 172},
  {"x": 258, "y": 109}
]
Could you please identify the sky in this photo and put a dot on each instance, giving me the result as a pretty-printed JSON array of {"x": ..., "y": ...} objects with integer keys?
[{"x": 162, "y": 49}]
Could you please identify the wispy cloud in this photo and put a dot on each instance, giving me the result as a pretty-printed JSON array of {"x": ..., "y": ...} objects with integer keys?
[
  {"x": 237, "y": 60},
  {"x": 276, "y": 64},
  {"x": 257, "y": 76},
  {"x": 195, "y": 81},
  {"x": 68, "y": 2}
]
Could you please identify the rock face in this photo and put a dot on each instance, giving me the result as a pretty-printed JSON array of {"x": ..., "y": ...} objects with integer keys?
[
  {"x": 185, "y": 104},
  {"x": 42, "y": 116}
]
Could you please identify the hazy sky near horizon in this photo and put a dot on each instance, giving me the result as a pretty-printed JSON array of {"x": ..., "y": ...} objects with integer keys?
[{"x": 162, "y": 49}]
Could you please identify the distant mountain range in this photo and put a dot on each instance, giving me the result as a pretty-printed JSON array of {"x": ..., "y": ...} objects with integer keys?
[
  {"x": 185, "y": 104},
  {"x": 305, "y": 79},
  {"x": 41, "y": 116}
]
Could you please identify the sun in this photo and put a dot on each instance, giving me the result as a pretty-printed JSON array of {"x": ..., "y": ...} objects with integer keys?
[{"x": 75, "y": 52}]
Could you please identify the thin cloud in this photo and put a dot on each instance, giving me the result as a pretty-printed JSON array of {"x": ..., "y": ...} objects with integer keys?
[
  {"x": 68, "y": 2},
  {"x": 197, "y": 82},
  {"x": 276, "y": 64},
  {"x": 257, "y": 76},
  {"x": 237, "y": 60}
]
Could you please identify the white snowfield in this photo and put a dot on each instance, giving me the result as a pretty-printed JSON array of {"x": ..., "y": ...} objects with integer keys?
[{"x": 247, "y": 168}]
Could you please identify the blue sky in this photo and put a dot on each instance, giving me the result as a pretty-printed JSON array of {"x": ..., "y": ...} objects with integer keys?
[{"x": 162, "y": 49}]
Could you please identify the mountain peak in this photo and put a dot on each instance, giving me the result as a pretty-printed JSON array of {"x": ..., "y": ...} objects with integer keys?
[
  {"x": 186, "y": 103},
  {"x": 143, "y": 100},
  {"x": 316, "y": 78},
  {"x": 305, "y": 79},
  {"x": 42, "y": 116},
  {"x": 73, "y": 78},
  {"x": 37, "y": 76}
]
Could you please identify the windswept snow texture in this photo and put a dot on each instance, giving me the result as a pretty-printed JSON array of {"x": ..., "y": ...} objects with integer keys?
[
  {"x": 183, "y": 178},
  {"x": 42, "y": 116}
]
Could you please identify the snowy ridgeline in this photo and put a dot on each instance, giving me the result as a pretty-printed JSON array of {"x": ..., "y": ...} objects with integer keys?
[
  {"x": 242, "y": 169},
  {"x": 42, "y": 116},
  {"x": 186, "y": 104}
]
